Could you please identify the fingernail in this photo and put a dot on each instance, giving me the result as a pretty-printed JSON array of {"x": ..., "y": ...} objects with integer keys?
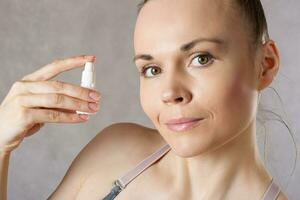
[
  {"x": 94, "y": 95},
  {"x": 93, "y": 106},
  {"x": 83, "y": 116}
]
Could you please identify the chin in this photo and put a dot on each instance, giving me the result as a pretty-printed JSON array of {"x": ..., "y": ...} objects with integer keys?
[{"x": 188, "y": 146}]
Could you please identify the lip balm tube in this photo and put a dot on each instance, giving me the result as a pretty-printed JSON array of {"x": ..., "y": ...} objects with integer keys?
[{"x": 88, "y": 80}]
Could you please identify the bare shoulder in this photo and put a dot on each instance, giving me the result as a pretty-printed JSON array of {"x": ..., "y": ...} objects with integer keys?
[
  {"x": 128, "y": 137},
  {"x": 117, "y": 147},
  {"x": 116, "y": 150},
  {"x": 127, "y": 143},
  {"x": 122, "y": 139}
]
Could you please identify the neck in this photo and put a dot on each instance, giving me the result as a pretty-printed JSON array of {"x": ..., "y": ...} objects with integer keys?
[{"x": 231, "y": 171}]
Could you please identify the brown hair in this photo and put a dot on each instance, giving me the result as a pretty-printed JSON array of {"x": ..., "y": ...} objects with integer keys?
[{"x": 253, "y": 12}]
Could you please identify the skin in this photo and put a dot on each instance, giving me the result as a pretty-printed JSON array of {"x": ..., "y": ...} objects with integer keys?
[{"x": 220, "y": 157}]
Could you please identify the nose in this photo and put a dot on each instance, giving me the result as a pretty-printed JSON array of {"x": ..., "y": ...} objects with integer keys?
[{"x": 176, "y": 93}]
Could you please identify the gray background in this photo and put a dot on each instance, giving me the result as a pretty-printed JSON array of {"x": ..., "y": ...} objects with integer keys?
[{"x": 33, "y": 33}]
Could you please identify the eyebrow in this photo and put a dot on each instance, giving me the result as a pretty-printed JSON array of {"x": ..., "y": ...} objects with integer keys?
[{"x": 184, "y": 47}]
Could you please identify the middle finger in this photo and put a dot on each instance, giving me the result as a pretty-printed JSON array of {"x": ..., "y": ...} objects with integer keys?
[
  {"x": 59, "y": 87},
  {"x": 57, "y": 101}
]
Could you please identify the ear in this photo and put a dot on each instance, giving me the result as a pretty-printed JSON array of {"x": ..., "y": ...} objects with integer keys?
[{"x": 269, "y": 64}]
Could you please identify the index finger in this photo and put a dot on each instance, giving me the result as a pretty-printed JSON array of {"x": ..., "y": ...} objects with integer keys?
[{"x": 51, "y": 70}]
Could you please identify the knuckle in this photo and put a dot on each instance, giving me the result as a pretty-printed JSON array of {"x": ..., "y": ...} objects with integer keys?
[
  {"x": 28, "y": 116},
  {"x": 80, "y": 56},
  {"x": 17, "y": 84},
  {"x": 56, "y": 61},
  {"x": 54, "y": 115},
  {"x": 82, "y": 92},
  {"x": 78, "y": 104},
  {"x": 58, "y": 99},
  {"x": 77, "y": 57},
  {"x": 72, "y": 117},
  {"x": 58, "y": 86},
  {"x": 23, "y": 115}
]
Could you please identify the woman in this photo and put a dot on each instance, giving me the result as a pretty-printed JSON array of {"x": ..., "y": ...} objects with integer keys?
[{"x": 203, "y": 65}]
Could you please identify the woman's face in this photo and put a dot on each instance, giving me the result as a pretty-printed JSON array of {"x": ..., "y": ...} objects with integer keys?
[{"x": 184, "y": 81}]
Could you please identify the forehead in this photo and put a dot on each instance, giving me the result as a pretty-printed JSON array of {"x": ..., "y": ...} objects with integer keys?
[{"x": 169, "y": 23}]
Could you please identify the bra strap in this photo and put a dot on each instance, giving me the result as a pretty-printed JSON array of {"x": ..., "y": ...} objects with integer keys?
[
  {"x": 144, "y": 164},
  {"x": 272, "y": 192}
]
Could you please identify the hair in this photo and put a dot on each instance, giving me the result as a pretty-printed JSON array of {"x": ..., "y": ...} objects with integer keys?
[{"x": 252, "y": 11}]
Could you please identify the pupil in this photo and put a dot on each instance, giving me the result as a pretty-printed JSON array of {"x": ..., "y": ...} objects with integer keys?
[{"x": 202, "y": 59}]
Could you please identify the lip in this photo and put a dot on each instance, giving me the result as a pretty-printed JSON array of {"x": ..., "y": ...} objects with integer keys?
[
  {"x": 184, "y": 126},
  {"x": 182, "y": 120}
]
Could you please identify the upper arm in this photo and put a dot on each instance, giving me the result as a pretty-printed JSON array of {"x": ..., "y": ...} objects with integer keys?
[{"x": 104, "y": 149}]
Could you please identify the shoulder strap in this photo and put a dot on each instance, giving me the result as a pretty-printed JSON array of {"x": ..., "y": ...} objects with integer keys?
[
  {"x": 272, "y": 191},
  {"x": 144, "y": 164},
  {"x": 113, "y": 193}
]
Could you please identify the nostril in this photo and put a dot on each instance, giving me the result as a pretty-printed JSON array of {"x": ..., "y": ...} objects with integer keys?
[{"x": 179, "y": 99}]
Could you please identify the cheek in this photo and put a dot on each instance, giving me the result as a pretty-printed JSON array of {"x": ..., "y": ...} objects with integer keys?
[
  {"x": 234, "y": 105},
  {"x": 148, "y": 100}
]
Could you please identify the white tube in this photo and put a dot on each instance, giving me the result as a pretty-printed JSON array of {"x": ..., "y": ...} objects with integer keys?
[{"x": 88, "y": 80}]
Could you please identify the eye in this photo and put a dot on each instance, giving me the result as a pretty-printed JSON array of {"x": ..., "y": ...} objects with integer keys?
[
  {"x": 202, "y": 59},
  {"x": 148, "y": 70}
]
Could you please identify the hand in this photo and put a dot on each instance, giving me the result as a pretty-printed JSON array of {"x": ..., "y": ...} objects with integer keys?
[{"x": 36, "y": 100}]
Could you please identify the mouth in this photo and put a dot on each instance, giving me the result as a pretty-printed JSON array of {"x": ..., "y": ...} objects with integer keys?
[{"x": 179, "y": 125}]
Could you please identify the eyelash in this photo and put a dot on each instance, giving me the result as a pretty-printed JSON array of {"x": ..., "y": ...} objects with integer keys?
[{"x": 211, "y": 59}]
